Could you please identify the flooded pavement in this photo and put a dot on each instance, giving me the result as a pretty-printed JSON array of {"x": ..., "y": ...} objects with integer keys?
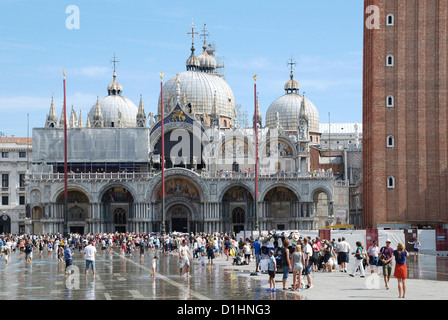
[{"x": 127, "y": 278}]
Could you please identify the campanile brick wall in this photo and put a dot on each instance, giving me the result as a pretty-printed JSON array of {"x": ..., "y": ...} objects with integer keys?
[{"x": 418, "y": 121}]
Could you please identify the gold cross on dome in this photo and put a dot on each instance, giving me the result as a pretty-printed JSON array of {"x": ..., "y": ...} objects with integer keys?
[
  {"x": 192, "y": 33},
  {"x": 115, "y": 62},
  {"x": 291, "y": 63},
  {"x": 205, "y": 35}
]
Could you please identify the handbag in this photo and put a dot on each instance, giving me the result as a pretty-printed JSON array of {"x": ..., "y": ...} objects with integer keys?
[
  {"x": 359, "y": 255},
  {"x": 381, "y": 257}
]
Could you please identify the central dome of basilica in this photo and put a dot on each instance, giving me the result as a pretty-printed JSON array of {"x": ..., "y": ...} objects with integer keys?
[{"x": 201, "y": 87}]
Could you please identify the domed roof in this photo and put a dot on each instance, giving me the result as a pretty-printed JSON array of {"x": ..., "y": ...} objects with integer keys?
[
  {"x": 288, "y": 109},
  {"x": 114, "y": 87},
  {"x": 292, "y": 85},
  {"x": 200, "y": 88},
  {"x": 193, "y": 61},
  {"x": 206, "y": 62},
  {"x": 116, "y": 110}
]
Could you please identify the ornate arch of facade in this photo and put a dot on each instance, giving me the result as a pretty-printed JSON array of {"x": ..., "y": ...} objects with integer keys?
[
  {"x": 179, "y": 173},
  {"x": 321, "y": 189},
  {"x": 278, "y": 146},
  {"x": 286, "y": 185},
  {"x": 71, "y": 187},
  {"x": 110, "y": 186},
  {"x": 184, "y": 202},
  {"x": 236, "y": 184},
  {"x": 244, "y": 147},
  {"x": 192, "y": 128}
]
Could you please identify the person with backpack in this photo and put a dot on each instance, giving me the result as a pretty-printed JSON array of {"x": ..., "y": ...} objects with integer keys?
[
  {"x": 28, "y": 251},
  {"x": 210, "y": 253},
  {"x": 68, "y": 256},
  {"x": 385, "y": 260}
]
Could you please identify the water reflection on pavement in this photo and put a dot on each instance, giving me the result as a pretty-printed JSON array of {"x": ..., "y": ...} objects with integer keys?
[{"x": 126, "y": 277}]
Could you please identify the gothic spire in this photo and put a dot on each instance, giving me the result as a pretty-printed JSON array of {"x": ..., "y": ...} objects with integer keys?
[
  {"x": 141, "y": 116},
  {"x": 52, "y": 119}
]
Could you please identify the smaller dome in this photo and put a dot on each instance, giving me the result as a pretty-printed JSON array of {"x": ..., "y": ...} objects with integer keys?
[
  {"x": 206, "y": 61},
  {"x": 116, "y": 111},
  {"x": 292, "y": 86},
  {"x": 193, "y": 61},
  {"x": 114, "y": 87}
]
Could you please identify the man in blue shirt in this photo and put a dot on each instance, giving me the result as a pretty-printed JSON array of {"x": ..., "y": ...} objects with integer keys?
[
  {"x": 68, "y": 256},
  {"x": 257, "y": 253}
]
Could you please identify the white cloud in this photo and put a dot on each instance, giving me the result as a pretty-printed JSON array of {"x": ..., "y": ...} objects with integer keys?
[{"x": 91, "y": 71}]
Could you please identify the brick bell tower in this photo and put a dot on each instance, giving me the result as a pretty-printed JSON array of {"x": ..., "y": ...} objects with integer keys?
[{"x": 405, "y": 112}]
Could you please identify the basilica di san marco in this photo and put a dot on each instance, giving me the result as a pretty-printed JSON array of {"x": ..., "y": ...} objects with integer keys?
[{"x": 114, "y": 162}]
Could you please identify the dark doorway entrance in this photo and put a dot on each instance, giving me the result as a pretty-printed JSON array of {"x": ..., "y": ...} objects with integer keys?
[
  {"x": 120, "y": 229},
  {"x": 238, "y": 228},
  {"x": 5, "y": 224},
  {"x": 179, "y": 224},
  {"x": 79, "y": 230}
]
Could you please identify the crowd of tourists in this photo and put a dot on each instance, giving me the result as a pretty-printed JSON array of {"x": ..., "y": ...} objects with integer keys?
[{"x": 271, "y": 254}]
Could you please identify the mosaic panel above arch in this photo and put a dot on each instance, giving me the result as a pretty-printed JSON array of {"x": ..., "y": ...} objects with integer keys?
[
  {"x": 279, "y": 148},
  {"x": 73, "y": 196},
  {"x": 118, "y": 195},
  {"x": 279, "y": 194},
  {"x": 237, "y": 194},
  {"x": 178, "y": 187}
]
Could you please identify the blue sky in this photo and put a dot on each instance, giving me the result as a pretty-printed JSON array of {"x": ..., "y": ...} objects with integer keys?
[{"x": 254, "y": 37}]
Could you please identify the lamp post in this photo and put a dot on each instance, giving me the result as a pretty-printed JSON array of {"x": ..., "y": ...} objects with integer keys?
[
  {"x": 163, "y": 229},
  {"x": 65, "y": 231},
  {"x": 256, "y": 156}
]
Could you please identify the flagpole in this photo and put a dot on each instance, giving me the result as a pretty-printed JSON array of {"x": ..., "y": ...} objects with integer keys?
[
  {"x": 256, "y": 156},
  {"x": 163, "y": 231},
  {"x": 65, "y": 163}
]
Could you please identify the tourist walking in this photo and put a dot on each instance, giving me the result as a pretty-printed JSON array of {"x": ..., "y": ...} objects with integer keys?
[
  {"x": 247, "y": 252},
  {"x": 210, "y": 253},
  {"x": 227, "y": 248},
  {"x": 401, "y": 271},
  {"x": 257, "y": 253},
  {"x": 90, "y": 252},
  {"x": 272, "y": 267},
  {"x": 153, "y": 266},
  {"x": 417, "y": 246},
  {"x": 359, "y": 256},
  {"x": 28, "y": 251},
  {"x": 7, "y": 249},
  {"x": 385, "y": 259},
  {"x": 308, "y": 251},
  {"x": 68, "y": 256},
  {"x": 60, "y": 253},
  {"x": 343, "y": 254},
  {"x": 184, "y": 258},
  {"x": 373, "y": 252}
]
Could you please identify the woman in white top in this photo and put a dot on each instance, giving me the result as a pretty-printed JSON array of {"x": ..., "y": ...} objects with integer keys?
[{"x": 247, "y": 252}]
